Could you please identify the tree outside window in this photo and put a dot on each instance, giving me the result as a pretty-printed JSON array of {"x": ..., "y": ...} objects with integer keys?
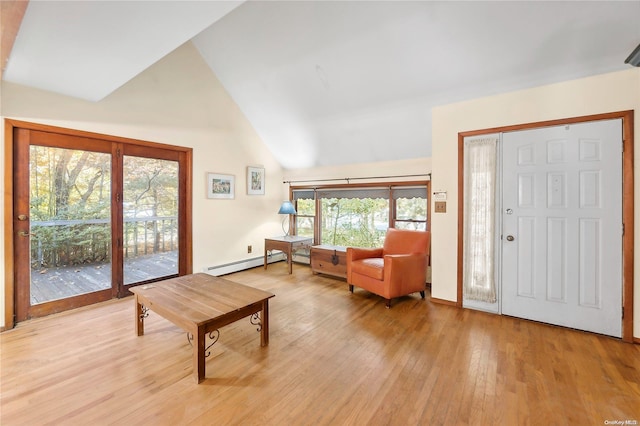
[
  {"x": 305, "y": 217},
  {"x": 354, "y": 222}
]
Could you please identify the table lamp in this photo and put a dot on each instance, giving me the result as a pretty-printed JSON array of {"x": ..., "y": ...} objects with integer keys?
[{"x": 286, "y": 209}]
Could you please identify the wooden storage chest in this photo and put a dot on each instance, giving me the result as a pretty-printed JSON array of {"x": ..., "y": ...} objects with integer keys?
[{"x": 329, "y": 260}]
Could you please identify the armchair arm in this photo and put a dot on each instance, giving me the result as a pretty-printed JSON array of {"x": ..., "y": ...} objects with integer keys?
[
  {"x": 356, "y": 253},
  {"x": 404, "y": 273}
]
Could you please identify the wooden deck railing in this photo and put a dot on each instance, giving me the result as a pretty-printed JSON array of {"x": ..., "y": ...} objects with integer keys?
[{"x": 75, "y": 242}]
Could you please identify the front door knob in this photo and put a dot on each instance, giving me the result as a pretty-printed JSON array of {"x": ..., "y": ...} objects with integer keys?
[{"x": 510, "y": 238}]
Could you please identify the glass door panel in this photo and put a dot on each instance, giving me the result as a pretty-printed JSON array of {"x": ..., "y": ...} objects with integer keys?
[
  {"x": 70, "y": 223},
  {"x": 150, "y": 216}
]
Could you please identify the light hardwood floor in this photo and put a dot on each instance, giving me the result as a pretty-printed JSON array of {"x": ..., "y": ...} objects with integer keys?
[{"x": 334, "y": 358}]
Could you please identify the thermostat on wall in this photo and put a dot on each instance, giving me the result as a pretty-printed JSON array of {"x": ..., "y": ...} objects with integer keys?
[{"x": 440, "y": 196}]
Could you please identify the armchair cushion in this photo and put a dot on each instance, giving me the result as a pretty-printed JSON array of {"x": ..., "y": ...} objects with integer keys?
[{"x": 371, "y": 267}]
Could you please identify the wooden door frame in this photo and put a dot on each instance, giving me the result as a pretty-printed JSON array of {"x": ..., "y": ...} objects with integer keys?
[
  {"x": 627, "y": 201},
  {"x": 185, "y": 153}
]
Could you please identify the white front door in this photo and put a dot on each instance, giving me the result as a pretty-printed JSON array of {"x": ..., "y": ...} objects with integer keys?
[{"x": 562, "y": 226}]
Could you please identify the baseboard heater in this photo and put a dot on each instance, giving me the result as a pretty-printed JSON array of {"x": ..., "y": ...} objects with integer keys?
[{"x": 241, "y": 265}]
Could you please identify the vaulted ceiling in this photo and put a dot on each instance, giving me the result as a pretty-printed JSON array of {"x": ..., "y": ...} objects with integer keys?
[{"x": 329, "y": 82}]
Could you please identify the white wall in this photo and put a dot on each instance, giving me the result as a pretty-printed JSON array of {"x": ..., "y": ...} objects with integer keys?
[
  {"x": 594, "y": 95},
  {"x": 177, "y": 101},
  {"x": 414, "y": 166}
]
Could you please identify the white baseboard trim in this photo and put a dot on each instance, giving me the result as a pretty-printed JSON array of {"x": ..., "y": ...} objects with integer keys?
[{"x": 241, "y": 265}]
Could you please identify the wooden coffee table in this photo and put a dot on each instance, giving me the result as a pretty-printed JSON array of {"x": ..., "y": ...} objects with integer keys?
[{"x": 201, "y": 304}]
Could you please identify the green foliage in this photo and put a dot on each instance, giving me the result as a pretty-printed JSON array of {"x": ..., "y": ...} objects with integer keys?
[
  {"x": 305, "y": 217},
  {"x": 70, "y": 244},
  {"x": 306, "y": 207},
  {"x": 150, "y": 187},
  {"x": 411, "y": 208},
  {"x": 358, "y": 222},
  {"x": 70, "y": 203},
  {"x": 354, "y": 222}
]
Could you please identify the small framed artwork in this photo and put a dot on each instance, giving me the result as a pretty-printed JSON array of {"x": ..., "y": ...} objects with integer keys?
[
  {"x": 255, "y": 180},
  {"x": 221, "y": 186}
]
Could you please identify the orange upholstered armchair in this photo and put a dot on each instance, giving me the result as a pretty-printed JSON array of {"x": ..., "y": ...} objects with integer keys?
[{"x": 397, "y": 269}]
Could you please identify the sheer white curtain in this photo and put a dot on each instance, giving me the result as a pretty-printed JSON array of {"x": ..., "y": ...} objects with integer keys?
[{"x": 479, "y": 219}]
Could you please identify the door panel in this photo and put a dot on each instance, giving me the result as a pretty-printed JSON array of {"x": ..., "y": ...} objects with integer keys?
[
  {"x": 557, "y": 259},
  {"x": 62, "y": 208},
  {"x": 526, "y": 269},
  {"x": 150, "y": 212},
  {"x": 70, "y": 211},
  {"x": 590, "y": 282},
  {"x": 563, "y": 188}
]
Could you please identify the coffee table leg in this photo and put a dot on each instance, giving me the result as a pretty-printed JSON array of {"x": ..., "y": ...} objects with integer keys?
[
  {"x": 198, "y": 356},
  {"x": 264, "y": 332},
  {"x": 139, "y": 317}
]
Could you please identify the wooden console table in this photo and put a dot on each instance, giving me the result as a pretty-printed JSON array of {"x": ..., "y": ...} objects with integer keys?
[
  {"x": 201, "y": 304},
  {"x": 287, "y": 244}
]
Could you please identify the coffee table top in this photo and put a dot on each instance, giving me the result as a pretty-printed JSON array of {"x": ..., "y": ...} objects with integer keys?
[{"x": 199, "y": 298}]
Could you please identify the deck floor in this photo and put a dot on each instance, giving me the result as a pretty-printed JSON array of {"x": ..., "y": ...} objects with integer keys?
[{"x": 49, "y": 284}]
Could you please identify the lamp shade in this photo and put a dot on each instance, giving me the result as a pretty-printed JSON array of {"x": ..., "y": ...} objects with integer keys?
[{"x": 287, "y": 208}]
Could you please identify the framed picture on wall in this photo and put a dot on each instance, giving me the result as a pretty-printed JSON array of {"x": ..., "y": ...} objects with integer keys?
[
  {"x": 221, "y": 186},
  {"x": 255, "y": 180}
]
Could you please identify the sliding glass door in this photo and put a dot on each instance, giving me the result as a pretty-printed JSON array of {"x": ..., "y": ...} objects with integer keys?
[{"x": 93, "y": 217}]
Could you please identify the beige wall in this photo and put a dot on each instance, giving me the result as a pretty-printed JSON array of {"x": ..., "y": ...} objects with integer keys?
[
  {"x": 600, "y": 94},
  {"x": 177, "y": 101}
]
